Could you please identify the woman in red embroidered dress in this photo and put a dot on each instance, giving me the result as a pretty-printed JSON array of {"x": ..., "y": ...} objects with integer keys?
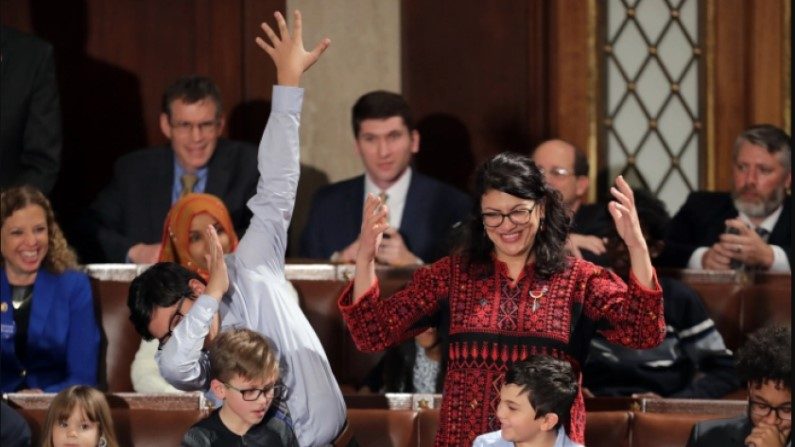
[{"x": 510, "y": 291}]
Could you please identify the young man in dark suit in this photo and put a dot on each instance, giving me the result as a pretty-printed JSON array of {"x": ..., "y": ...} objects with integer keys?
[
  {"x": 750, "y": 226},
  {"x": 765, "y": 362},
  {"x": 129, "y": 213},
  {"x": 422, "y": 211}
]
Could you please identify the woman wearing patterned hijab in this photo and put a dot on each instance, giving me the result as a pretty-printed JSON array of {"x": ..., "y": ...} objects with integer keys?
[
  {"x": 184, "y": 243},
  {"x": 183, "y": 232}
]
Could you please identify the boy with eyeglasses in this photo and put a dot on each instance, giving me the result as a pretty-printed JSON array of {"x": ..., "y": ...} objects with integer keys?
[
  {"x": 765, "y": 363},
  {"x": 245, "y": 374},
  {"x": 247, "y": 288}
]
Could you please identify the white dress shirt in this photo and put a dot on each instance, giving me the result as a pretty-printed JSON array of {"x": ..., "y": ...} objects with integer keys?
[{"x": 259, "y": 295}]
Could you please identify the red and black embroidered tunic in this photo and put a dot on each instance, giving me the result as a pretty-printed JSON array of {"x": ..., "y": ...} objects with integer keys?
[{"x": 493, "y": 323}]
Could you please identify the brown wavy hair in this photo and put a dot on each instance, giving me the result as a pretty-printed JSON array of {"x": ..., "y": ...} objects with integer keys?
[
  {"x": 92, "y": 403},
  {"x": 59, "y": 255}
]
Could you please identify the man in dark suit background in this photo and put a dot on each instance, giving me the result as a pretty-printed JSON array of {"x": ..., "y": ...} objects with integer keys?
[
  {"x": 30, "y": 129},
  {"x": 128, "y": 215},
  {"x": 565, "y": 168},
  {"x": 765, "y": 363},
  {"x": 751, "y": 225},
  {"x": 422, "y": 211}
]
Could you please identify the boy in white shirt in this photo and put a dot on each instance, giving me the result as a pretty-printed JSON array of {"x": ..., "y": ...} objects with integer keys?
[{"x": 535, "y": 404}]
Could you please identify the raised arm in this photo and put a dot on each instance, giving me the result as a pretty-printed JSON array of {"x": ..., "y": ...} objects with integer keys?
[
  {"x": 287, "y": 52},
  {"x": 374, "y": 223},
  {"x": 625, "y": 217},
  {"x": 265, "y": 241}
]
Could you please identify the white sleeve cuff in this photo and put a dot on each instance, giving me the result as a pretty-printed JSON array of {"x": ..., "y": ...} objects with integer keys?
[
  {"x": 780, "y": 261},
  {"x": 696, "y": 257}
]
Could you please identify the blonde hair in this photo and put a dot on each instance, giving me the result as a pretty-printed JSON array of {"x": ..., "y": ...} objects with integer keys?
[
  {"x": 59, "y": 255},
  {"x": 88, "y": 399},
  {"x": 242, "y": 352}
]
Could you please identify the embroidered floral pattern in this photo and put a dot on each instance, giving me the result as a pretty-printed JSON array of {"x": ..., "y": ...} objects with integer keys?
[{"x": 492, "y": 324}]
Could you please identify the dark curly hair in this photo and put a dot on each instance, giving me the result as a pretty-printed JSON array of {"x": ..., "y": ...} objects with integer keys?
[
  {"x": 518, "y": 176},
  {"x": 767, "y": 355}
]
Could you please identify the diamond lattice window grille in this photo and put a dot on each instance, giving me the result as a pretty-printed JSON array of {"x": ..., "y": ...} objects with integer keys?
[{"x": 652, "y": 119}]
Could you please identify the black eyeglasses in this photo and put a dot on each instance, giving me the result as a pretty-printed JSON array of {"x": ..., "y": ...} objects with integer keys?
[
  {"x": 762, "y": 409},
  {"x": 270, "y": 391},
  {"x": 556, "y": 172},
  {"x": 494, "y": 219},
  {"x": 174, "y": 321}
]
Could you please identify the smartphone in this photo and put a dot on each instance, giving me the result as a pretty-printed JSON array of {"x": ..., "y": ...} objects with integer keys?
[{"x": 734, "y": 263}]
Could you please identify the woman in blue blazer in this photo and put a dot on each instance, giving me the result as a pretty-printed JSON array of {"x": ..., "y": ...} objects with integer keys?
[{"x": 49, "y": 338}]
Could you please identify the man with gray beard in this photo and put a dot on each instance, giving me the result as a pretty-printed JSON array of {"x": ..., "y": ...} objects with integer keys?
[{"x": 752, "y": 225}]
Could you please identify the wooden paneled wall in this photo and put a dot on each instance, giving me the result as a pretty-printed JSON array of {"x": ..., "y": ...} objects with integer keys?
[
  {"x": 115, "y": 58},
  {"x": 482, "y": 77},
  {"x": 749, "y": 76},
  {"x": 476, "y": 76}
]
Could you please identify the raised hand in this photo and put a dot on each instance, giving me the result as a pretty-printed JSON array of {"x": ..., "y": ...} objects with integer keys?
[
  {"x": 218, "y": 282},
  {"x": 374, "y": 224},
  {"x": 625, "y": 215},
  {"x": 627, "y": 224},
  {"x": 287, "y": 51}
]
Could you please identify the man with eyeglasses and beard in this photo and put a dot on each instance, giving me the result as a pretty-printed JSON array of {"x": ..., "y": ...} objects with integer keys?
[
  {"x": 765, "y": 362},
  {"x": 752, "y": 225}
]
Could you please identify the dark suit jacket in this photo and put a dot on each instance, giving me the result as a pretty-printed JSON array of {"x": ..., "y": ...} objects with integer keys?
[
  {"x": 431, "y": 210},
  {"x": 30, "y": 128},
  {"x": 701, "y": 221},
  {"x": 720, "y": 433},
  {"x": 63, "y": 335},
  {"x": 133, "y": 207}
]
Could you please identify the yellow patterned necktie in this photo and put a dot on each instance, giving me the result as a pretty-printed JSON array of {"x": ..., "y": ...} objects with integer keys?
[{"x": 188, "y": 182}]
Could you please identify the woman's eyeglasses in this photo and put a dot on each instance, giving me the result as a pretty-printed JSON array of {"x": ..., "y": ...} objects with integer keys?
[{"x": 494, "y": 219}]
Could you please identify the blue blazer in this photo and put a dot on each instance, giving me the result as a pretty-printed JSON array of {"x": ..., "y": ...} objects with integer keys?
[
  {"x": 63, "y": 336},
  {"x": 431, "y": 210}
]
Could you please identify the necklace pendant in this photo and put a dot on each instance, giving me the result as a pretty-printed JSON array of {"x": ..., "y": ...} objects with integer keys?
[{"x": 537, "y": 296}]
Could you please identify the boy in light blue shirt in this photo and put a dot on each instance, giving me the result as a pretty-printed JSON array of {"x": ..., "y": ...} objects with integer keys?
[{"x": 535, "y": 404}]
